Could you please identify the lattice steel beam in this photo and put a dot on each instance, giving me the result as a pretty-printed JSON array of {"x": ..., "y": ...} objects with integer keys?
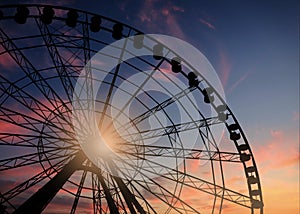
[
  {"x": 128, "y": 196},
  {"x": 78, "y": 193},
  {"x": 172, "y": 129},
  {"x": 201, "y": 185},
  {"x": 37, "y": 202},
  {"x": 172, "y": 152},
  {"x": 31, "y": 72},
  {"x": 29, "y": 159},
  {"x": 28, "y": 183},
  {"x": 162, "y": 105},
  {"x": 56, "y": 58},
  {"x": 110, "y": 201}
]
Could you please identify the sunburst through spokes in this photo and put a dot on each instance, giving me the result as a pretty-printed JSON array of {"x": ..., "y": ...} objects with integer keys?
[{"x": 167, "y": 141}]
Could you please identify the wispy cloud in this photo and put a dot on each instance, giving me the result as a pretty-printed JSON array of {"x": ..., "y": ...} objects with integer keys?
[
  {"x": 14, "y": 177},
  {"x": 161, "y": 18},
  {"x": 63, "y": 201},
  {"x": 280, "y": 151},
  {"x": 6, "y": 61},
  {"x": 237, "y": 83},
  {"x": 278, "y": 161},
  {"x": 207, "y": 24},
  {"x": 176, "y": 8},
  {"x": 296, "y": 116},
  {"x": 225, "y": 67}
]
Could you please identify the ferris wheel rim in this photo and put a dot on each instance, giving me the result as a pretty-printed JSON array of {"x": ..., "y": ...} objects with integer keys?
[{"x": 215, "y": 92}]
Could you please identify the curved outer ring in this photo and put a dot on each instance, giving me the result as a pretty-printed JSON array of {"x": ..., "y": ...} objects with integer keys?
[{"x": 254, "y": 172}]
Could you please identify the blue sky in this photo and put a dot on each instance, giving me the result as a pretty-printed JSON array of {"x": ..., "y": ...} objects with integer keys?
[{"x": 254, "y": 48}]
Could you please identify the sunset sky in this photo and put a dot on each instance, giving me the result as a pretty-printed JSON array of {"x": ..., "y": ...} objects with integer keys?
[{"x": 254, "y": 48}]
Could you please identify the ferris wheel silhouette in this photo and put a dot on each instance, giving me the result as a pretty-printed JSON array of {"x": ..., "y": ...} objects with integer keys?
[{"x": 90, "y": 121}]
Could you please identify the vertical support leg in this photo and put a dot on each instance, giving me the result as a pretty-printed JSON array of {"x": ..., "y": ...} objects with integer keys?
[
  {"x": 38, "y": 201},
  {"x": 128, "y": 196},
  {"x": 110, "y": 201}
]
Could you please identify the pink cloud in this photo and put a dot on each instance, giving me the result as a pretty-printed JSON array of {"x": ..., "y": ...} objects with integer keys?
[
  {"x": 17, "y": 176},
  {"x": 165, "y": 11},
  {"x": 207, "y": 24},
  {"x": 5, "y": 60},
  {"x": 296, "y": 116},
  {"x": 173, "y": 26},
  {"x": 224, "y": 67},
  {"x": 20, "y": 114},
  {"x": 280, "y": 151},
  {"x": 63, "y": 202},
  {"x": 278, "y": 163},
  {"x": 162, "y": 19},
  {"x": 193, "y": 166},
  {"x": 69, "y": 58},
  {"x": 176, "y": 8},
  {"x": 165, "y": 70},
  {"x": 18, "y": 118},
  {"x": 237, "y": 83},
  {"x": 6, "y": 127}
]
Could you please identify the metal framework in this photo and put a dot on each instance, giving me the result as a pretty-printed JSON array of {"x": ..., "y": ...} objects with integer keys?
[{"x": 43, "y": 49}]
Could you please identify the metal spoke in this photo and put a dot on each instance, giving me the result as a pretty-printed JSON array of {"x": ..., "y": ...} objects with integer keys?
[
  {"x": 200, "y": 184},
  {"x": 38, "y": 108},
  {"x": 30, "y": 140},
  {"x": 30, "y": 182},
  {"x": 165, "y": 195},
  {"x": 149, "y": 206},
  {"x": 29, "y": 123},
  {"x": 39, "y": 200},
  {"x": 42, "y": 121},
  {"x": 56, "y": 59},
  {"x": 157, "y": 108},
  {"x": 144, "y": 151},
  {"x": 115, "y": 75},
  {"x": 172, "y": 129},
  {"x": 31, "y": 71},
  {"x": 108, "y": 196},
  {"x": 31, "y": 159},
  {"x": 78, "y": 192},
  {"x": 128, "y": 196}
]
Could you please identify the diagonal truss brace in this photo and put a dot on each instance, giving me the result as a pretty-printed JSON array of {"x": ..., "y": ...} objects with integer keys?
[
  {"x": 172, "y": 129},
  {"x": 158, "y": 108},
  {"x": 38, "y": 201},
  {"x": 142, "y": 151}
]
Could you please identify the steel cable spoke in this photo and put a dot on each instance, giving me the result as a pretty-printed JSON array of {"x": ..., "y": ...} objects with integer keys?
[{"x": 38, "y": 131}]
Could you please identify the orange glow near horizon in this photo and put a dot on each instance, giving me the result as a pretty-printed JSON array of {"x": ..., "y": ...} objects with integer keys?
[{"x": 257, "y": 61}]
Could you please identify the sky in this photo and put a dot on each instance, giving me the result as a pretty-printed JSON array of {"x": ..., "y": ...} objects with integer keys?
[{"x": 254, "y": 48}]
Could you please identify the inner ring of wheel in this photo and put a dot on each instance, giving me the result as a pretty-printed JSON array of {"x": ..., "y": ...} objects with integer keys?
[{"x": 249, "y": 166}]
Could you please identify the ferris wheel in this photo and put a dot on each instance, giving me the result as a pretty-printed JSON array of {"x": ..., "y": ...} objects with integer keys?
[{"x": 97, "y": 117}]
